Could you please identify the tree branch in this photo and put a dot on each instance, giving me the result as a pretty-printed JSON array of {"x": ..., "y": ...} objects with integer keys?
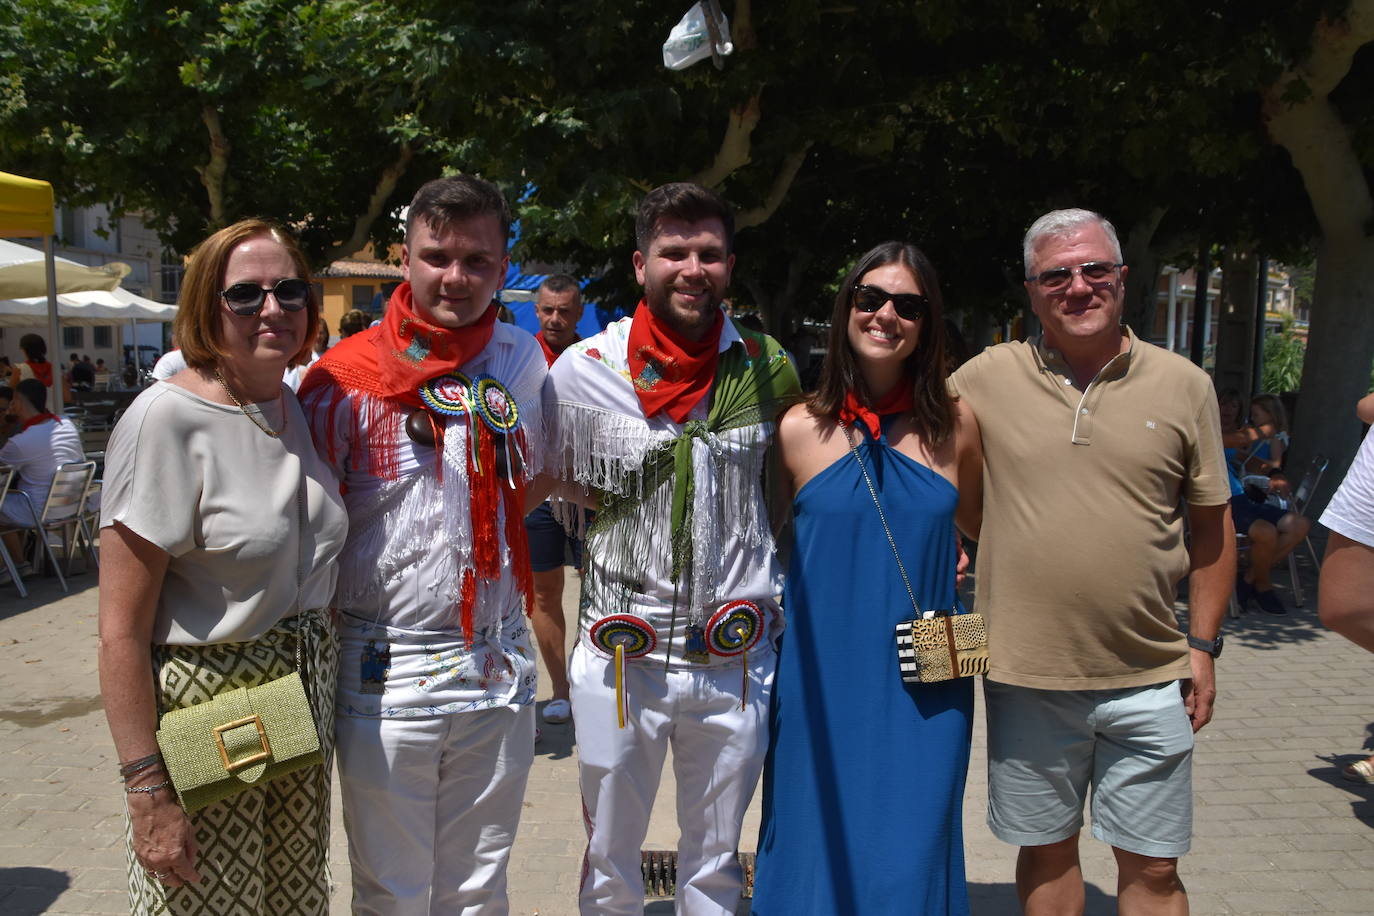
[
  {"x": 778, "y": 193},
  {"x": 734, "y": 146},
  {"x": 213, "y": 172},
  {"x": 742, "y": 29},
  {"x": 1311, "y": 129},
  {"x": 362, "y": 226}
]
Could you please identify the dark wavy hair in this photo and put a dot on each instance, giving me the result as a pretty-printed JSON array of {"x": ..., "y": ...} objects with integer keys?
[{"x": 933, "y": 409}]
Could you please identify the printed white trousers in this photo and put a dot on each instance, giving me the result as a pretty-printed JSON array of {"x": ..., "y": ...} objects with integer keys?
[
  {"x": 431, "y": 806},
  {"x": 718, "y": 754}
]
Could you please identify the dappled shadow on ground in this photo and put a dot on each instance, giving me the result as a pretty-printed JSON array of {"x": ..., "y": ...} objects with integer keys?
[
  {"x": 1259, "y": 630},
  {"x": 55, "y": 710},
  {"x": 43, "y": 590},
  {"x": 27, "y": 891},
  {"x": 1361, "y": 794},
  {"x": 999, "y": 899}
]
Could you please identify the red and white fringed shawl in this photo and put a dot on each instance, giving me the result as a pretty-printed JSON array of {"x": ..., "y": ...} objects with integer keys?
[{"x": 359, "y": 396}]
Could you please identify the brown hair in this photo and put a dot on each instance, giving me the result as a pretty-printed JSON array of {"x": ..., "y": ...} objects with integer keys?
[
  {"x": 196, "y": 327},
  {"x": 686, "y": 201},
  {"x": 444, "y": 201},
  {"x": 933, "y": 408},
  {"x": 1271, "y": 405}
]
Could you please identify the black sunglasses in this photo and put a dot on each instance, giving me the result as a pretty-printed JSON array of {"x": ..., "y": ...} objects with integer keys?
[
  {"x": 246, "y": 299},
  {"x": 909, "y": 306}
]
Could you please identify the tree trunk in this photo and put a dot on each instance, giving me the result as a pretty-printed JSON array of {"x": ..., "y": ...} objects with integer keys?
[
  {"x": 1340, "y": 350},
  {"x": 1340, "y": 344},
  {"x": 1142, "y": 281},
  {"x": 1235, "y": 317}
]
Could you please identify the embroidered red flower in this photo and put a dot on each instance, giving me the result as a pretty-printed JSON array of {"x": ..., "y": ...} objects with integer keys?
[{"x": 593, "y": 352}]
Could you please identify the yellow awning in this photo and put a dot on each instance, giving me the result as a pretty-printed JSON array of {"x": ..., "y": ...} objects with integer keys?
[{"x": 26, "y": 207}]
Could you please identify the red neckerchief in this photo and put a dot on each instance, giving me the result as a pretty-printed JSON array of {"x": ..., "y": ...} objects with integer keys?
[
  {"x": 41, "y": 371},
  {"x": 549, "y": 353},
  {"x": 39, "y": 418},
  {"x": 670, "y": 372},
  {"x": 388, "y": 364},
  {"x": 410, "y": 351},
  {"x": 899, "y": 400}
]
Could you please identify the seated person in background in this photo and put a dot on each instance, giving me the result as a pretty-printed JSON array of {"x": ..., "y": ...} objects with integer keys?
[
  {"x": 1267, "y": 454},
  {"x": 41, "y": 443},
  {"x": 83, "y": 376},
  {"x": 102, "y": 376},
  {"x": 1274, "y": 532}
]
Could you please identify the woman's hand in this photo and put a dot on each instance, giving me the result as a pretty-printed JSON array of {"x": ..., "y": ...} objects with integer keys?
[{"x": 164, "y": 841}]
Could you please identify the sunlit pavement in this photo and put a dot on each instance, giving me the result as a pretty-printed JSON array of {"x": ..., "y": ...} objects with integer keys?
[{"x": 1277, "y": 829}]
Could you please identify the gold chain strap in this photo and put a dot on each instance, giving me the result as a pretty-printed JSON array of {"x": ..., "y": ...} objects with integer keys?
[{"x": 881, "y": 517}]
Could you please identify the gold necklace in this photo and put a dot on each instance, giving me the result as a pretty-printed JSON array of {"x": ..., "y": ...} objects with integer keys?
[{"x": 274, "y": 433}]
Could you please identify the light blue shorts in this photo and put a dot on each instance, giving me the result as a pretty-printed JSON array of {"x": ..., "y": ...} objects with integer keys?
[{"x": 1133, "y": 746}]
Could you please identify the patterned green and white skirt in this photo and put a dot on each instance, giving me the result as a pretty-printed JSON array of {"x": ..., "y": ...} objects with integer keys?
[{"x": 264, "y": 851}]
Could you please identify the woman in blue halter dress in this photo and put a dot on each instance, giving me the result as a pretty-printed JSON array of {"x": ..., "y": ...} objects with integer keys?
[{"x": 864, "y": 784}]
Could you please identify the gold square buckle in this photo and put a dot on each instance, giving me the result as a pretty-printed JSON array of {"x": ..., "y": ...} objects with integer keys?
[{"x": 231, "y": 766}]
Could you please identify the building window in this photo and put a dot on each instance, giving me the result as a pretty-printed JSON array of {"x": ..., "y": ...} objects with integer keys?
[
  {"x": 73, "y": 338},
  {"x": 172, "y": 271},
  {"x": 102, "y": 336},
  {"x": 362, "y": 297}
]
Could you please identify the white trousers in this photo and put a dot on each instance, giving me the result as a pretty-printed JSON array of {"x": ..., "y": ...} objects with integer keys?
[
  {"x": 718, "y": 753},
  {"x": 431, "y": 806}
]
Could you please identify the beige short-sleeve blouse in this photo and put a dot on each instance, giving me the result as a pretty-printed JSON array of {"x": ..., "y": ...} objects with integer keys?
[{"x": 204, "y": 483}]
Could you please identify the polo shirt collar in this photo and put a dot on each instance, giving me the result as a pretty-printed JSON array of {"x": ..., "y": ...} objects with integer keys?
[{"x": 1052, "y": 361}]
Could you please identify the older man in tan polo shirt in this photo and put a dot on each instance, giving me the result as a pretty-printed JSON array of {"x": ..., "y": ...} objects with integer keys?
[{"x": 1096, "y": 446}]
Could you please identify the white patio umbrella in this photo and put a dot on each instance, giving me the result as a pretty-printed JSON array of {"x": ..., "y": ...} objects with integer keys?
[{"x": 22, "y": 273}]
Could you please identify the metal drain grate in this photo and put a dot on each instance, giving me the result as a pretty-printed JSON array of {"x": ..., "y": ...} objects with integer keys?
[{"x": 659, "y": 868}]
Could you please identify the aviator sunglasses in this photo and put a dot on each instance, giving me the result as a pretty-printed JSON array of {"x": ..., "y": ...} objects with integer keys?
[
  {"x": 246, "y": 299},
  {"x": 1096, "y": 274},
  {"x": 909, "y": 306}
]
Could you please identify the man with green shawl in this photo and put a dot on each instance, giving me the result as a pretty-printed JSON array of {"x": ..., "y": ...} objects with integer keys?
[{"x": 664, "y": 421}]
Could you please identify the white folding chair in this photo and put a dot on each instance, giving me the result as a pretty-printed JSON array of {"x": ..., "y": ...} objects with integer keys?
[
  {"x": 61, "y": 514},
  {"x": 88, "y": 518},
  {"x": 6, "y": 478}
]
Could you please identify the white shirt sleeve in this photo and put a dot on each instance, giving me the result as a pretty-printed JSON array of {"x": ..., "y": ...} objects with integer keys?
[{"x": 1351, "y": 510}]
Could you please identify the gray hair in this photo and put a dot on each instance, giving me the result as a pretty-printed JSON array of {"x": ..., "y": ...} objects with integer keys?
[
  {"x": 562, "y": 283},
  {"x": 1058, "y": 223}
]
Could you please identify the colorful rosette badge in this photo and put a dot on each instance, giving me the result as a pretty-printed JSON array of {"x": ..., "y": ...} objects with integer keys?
[
  {"x": 623, "y": 636},
  {"x": 483, "y": 398},
  {"x": 733, "y": 630}
]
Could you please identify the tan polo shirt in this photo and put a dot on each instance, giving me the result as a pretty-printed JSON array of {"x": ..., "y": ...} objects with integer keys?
[{"x": 1082, "y": 542}]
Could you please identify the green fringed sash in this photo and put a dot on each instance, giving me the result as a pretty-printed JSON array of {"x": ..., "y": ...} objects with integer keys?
[{"x": 755, "y": 382}]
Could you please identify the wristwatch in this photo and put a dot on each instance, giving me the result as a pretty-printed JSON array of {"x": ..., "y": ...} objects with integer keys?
[{"x": 1211, "y": 646}]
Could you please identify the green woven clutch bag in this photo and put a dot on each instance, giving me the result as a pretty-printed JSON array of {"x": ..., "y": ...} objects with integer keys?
[{"x": 241, "y": 738}]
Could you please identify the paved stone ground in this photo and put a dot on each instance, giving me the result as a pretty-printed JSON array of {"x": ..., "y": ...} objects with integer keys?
[{"x": 1278, "y": 831}]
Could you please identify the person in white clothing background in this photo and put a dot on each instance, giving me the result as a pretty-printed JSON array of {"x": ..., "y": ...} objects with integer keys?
[{"x": 42, "y": 442}]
